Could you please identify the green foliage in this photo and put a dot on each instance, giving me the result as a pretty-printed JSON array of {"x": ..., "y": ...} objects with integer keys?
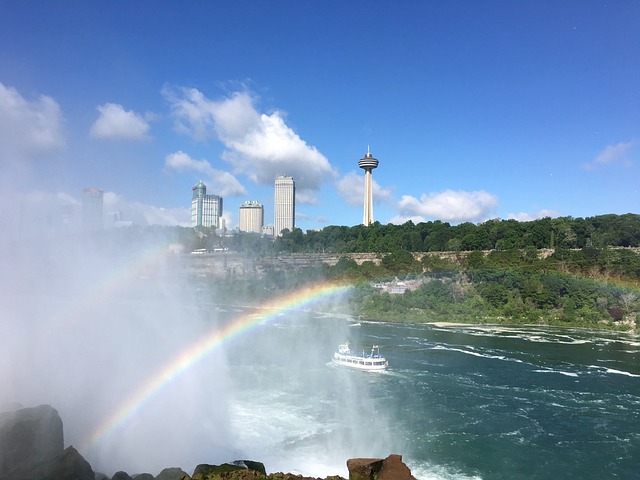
[{"x": 554, "y": 271}]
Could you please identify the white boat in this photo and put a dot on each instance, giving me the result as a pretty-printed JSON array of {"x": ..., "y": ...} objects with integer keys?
[{"x": 372, "y": 362}]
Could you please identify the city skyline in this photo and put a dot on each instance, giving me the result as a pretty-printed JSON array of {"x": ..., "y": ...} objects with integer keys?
[{"x": 478, "y": 111}]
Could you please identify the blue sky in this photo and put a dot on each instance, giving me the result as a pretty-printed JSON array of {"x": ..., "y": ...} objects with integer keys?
[{"x": 475, "y": 109}]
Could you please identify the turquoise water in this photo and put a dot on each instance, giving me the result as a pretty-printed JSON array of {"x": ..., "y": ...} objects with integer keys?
[{"x": 457, "y": 402}]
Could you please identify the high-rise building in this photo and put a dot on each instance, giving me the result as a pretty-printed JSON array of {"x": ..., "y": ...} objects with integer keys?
[
  {"x": 284, "y": 204},
  {"x": 92, "y": 209},
  {"x": 368, "y": 163},
  {"x": 206, "y": 210},
  {"x": 251, "y": 217}
]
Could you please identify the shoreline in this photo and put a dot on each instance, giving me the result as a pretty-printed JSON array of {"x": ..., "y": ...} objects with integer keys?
[{"x": 515, "y": 325}]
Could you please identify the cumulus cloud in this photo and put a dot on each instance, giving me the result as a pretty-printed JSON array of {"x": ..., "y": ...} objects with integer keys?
[
  {"x": 258, "y": 145},
  {"x": 116, "y": 123},
  {"x": 612, "y": 154},
  {"x": 401, "y": 219},
  {"x": 527, "y": 217},
  {"x": 28, "y": 129},
  {"x": 219, "y": 182},
  {"x": 351, "y": 189},
  {"x": 450, "y": 206},
  {"x": 181, "y": 162}
]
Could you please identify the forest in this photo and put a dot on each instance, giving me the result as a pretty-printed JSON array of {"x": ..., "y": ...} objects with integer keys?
[{"x": 563, "y": 271}]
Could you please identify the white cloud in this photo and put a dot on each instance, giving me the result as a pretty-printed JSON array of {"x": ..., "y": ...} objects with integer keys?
[
  {"x": 219, "y": 182},
  {"x": 450, "y": 206},
  {"x": 28, "y": 128},
  {"x": 351, "y": 189},
  {"x": 116, "y": 123},
  {"x": 611, "y": 154},
  {"x": 258, "y": 145},
  {"x": 527, "y": 217},
  {"x": 401, "y": 220},
  {"x": 181, "y": 162}
]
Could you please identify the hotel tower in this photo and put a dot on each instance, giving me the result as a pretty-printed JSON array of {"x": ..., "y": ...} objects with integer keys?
[
  {"x": 284, "y": 204},
  {"x": 251, "y": 217},
  {"x": 206, "y": 210},
  {"x": 368, "y": 163}
]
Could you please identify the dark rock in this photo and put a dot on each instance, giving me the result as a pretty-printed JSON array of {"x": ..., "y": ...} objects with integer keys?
[
  {"x": 242, "y": 467},
  {"x": 393, "y": 468},
  {"x": 363, "y": 468},
  {"x": 143, "y": 476},
  {"x": 390, "y": 468},
  {"x": 29, "y": 436},
  {"x": 69, "y": 466},
  {"x": 204, "y": 471},
  {"x": 173, "y": 474},
  {"x": 251, "y": 465},
  {"x": 121, "y": 476},
  {"x": 101, "y": 476}
]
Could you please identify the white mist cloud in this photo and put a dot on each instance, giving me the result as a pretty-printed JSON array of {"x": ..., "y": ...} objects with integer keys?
[
  {"x": 116, "y": 123},
  {"x": 258, "y": 145},
  {"x": 118, "y": 208},
  {"x": 28, "y": 128},
  {"x": 450, "y": 206},
  {"x": 351, "y": 189},
  {"x": 83, "y": 329},
  {"x": 612, "y": 154},
  {"x": 219, "y": 182}
]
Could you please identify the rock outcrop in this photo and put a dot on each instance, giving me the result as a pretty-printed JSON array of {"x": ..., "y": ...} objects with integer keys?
[
  {"x": 205, "y": 472},
  {"x": 142, "y": 476},
  {"x": 121, "y": 476},
  {"x": 390, "y": 468},
  {"x": 29, "y": 436},
  {"x": 32, "y": 447},
  {"x": 172, "y": 473}
]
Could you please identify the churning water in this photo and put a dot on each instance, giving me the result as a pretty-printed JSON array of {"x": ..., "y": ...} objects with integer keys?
[{"x": 483, "y": 402}]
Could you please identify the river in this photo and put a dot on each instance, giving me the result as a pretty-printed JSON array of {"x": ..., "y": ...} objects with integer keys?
[{"x": 457, "y": 402}]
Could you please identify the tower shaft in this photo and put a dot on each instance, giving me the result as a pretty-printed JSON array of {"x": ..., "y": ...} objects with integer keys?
[{"x": 367, "y": 216}]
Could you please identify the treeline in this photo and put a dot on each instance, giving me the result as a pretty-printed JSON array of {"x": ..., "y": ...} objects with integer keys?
[
  {"x": 437, "y": 236},
  {"x": 545, "y": 233}
]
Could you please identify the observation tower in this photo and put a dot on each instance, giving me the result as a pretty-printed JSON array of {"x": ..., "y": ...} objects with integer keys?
[{"x": 368, "y": 163}]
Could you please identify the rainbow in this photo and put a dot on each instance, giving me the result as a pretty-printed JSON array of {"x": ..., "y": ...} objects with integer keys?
[{"x": 191, "y": 355}]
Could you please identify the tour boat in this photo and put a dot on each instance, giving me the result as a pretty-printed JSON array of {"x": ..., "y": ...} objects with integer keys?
[{"x": 372, "y": 362}]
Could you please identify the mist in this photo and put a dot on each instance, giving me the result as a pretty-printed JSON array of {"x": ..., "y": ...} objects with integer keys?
[
  {"x": 88, "y": 320},
  {"x": 85, "y": 323}
]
